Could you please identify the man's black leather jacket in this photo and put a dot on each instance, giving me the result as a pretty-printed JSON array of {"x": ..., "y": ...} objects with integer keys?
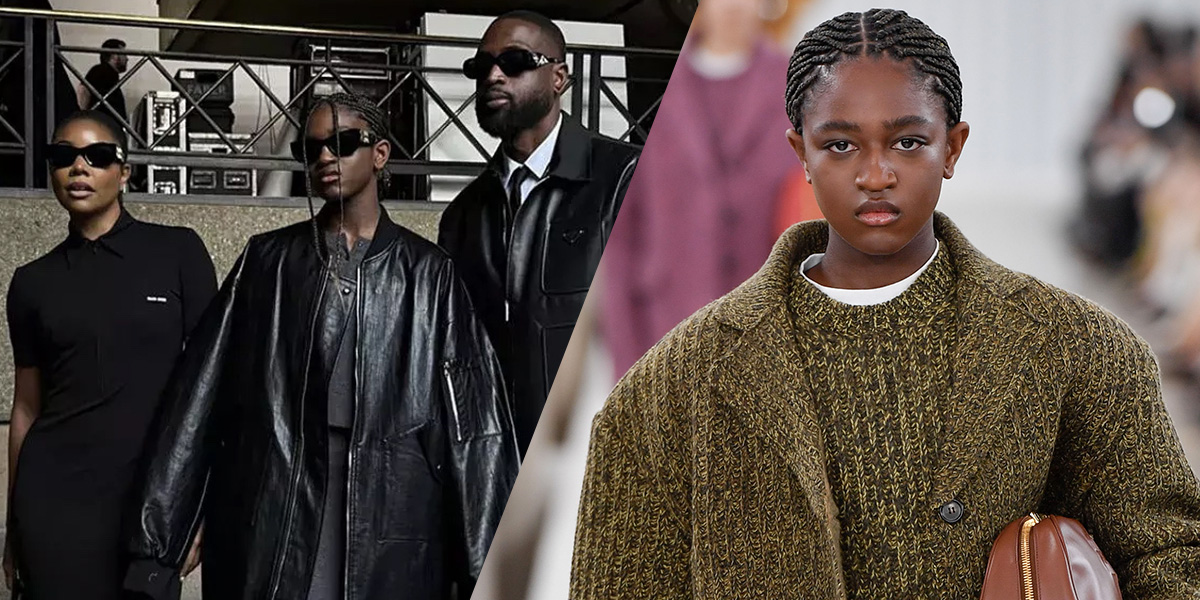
[
  {"x": 243, "y": 432},
  {"x": 529, "y": 281}
]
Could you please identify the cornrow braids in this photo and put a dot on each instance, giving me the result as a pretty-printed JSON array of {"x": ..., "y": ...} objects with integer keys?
[
  {"x": 373, "y": 115},
  {"x": 367, "y": 109},
  {"x": 876, "y": 32}
]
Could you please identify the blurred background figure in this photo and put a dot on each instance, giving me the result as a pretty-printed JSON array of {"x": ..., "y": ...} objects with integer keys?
[
  {"x": 701, "y": 215},
  {"x": 1140, "y": 209},
  {"x": 105, "y": 77}
]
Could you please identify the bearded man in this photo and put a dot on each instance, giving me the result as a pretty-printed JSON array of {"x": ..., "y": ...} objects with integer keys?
[{"x": 527, "y": 234}]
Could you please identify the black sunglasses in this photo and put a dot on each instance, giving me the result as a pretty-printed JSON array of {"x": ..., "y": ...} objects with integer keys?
[
  {"x": 100, "y": 155},
  {"x": 341, "y": 144},
  {"x": 512, "y": 62}
]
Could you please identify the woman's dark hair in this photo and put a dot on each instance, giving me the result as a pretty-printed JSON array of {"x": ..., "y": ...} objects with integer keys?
[
  {"x": 106, "y": 121},
  {"x": 102, "y": 119},
  {"x": 876, "y": 32},
  {"x": 365, "y": 107}
]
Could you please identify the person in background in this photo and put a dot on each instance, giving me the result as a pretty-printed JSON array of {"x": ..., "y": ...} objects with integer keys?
[
  {"x": 527, "y": 234},
  {"x": 700, "y": 216},
  {"x": 105, "y": 77},
  {"x": 96, "y": 325}
]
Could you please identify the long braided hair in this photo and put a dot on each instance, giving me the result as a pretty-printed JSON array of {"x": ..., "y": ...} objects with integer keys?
[
  {"x": 876, "y": 32},
  {"x": 373, "y": 115}
]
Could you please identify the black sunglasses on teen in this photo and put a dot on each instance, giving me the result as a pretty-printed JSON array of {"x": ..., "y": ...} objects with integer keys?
[
  {"x": 512, "y": 62},
  {"x": 347, "y": 140},
  {"x": 100, "y": 155}
]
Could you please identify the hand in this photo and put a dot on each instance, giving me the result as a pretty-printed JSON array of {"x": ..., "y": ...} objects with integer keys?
[
  {"x": 193, "y": 557},
  {"x": 8, "y": 562}
]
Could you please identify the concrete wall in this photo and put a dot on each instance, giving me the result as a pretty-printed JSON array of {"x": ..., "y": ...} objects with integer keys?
[{"x": 29, "y": 227}]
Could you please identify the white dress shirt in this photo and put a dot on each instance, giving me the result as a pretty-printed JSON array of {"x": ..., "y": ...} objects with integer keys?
[{"x": 538, "y": 162}]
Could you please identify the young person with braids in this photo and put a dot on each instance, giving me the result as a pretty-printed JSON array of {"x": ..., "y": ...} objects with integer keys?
[
  {"x": 339, "y": 423},
  {"x": 862, "y": 417}
]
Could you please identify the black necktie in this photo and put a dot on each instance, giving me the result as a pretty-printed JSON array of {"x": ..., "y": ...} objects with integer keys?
[{"x": 514, "y": 188}]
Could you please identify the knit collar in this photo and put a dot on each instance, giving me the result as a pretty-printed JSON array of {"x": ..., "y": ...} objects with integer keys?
[
  {"x": 917, "y": 305},
  {"x": 767, "y": 290}
]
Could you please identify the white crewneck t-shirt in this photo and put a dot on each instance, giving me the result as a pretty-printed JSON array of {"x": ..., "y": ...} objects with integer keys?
[{"x": 868, "y": 297}]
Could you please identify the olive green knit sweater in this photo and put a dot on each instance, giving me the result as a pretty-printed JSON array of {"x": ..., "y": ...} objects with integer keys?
[
  {"x": 879, "y": 407},
  {"x": 779, "y": 445}
]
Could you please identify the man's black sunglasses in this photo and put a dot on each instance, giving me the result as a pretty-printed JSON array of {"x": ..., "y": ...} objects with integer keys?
[
  {"x": 341, "y": 144},
  {"x": 512, "y": 62},
  {"x": 100, "y": 155}
]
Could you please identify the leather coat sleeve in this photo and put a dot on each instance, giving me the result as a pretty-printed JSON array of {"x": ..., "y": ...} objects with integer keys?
[
  {"x": 483, "y": 444},
  {"x": 619, "y": 196},
  {"x": 626, "y": 285},
  {"x": 178, "y": 453},
  {"x": 633, "y": 534},
  {"x": 448, "y": 228}
]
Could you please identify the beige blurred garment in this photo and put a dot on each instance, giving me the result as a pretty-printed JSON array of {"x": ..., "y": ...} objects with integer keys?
[{"x": 542, "y": 489}]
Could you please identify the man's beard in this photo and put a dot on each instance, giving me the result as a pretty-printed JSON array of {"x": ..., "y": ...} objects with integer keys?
[{"x": 506, "y": 122}]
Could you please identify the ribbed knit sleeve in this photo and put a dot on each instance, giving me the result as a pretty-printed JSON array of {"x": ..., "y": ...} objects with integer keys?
[
  {"x": 633, "y": 538},
  {"x": 1118, "y": 462}
]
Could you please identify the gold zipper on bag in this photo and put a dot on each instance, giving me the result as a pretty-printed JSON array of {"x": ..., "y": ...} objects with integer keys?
[{"x": 1026, "y": 556}]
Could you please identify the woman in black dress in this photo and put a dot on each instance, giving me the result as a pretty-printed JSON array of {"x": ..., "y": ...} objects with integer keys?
[{"x": 96, "y": 325}]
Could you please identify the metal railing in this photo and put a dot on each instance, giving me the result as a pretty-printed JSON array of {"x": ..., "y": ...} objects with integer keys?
[{"x": 408, "y": 79}]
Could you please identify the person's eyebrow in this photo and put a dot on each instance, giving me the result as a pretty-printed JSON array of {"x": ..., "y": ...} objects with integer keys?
[
  {"x": 906, "y": 121},
  {"x": 829, "y": 126}
]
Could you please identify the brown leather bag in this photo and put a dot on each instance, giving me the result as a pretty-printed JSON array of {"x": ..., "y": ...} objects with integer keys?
[{"x": 1048, "y": 558}]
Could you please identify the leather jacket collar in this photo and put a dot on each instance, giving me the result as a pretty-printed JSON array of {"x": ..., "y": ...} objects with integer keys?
[{"x": 572, "y": 154}]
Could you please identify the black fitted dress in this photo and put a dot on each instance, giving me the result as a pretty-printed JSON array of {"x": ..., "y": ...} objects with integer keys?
[{"x": 104, "y": 322}]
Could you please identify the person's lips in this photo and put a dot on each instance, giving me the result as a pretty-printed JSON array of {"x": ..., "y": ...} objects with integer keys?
[
  {"x": 877, "y": 213},
  {"x": 79, "y": 190},
  {"x": 496, "y": 99},
  {"x": 329, "y": 176}
]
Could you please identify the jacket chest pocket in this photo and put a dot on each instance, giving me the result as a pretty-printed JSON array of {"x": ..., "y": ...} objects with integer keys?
[
  {"x": 410, "y": 494},
  {"x": 570, "y": 254}
]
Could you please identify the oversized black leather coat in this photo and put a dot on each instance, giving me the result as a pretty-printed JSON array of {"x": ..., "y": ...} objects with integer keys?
[
  {"x": 529, "y": 283},
  {"x": 242, "y": 440}
]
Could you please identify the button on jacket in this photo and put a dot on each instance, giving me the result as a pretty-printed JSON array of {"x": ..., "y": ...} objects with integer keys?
[
  {"x": 708, "y": 472},
  {"x": 529, "y": 272},
  {"x": 242, "y": 443}
]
